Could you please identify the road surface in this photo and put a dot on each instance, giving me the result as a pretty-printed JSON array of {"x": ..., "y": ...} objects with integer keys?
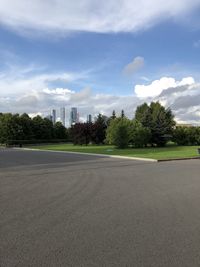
[{"x": 61, "y": 209}]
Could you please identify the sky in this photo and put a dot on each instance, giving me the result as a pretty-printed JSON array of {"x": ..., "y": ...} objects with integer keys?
[{"x": 100, "y": 56}]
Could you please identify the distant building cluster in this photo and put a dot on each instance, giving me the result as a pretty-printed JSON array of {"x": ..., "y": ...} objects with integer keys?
[{"x": 70, "y": 120}]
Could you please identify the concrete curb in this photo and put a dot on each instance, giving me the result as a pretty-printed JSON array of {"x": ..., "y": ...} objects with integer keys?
[
  {"x": 90, "y": 154},
  {"x": 175, "y": 159}
]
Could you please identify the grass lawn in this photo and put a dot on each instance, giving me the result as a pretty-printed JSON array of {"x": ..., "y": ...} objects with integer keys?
[{"x": 168, "y": 152}]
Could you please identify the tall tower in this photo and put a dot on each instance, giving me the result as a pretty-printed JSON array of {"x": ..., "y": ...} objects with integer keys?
[
  {"x": 62, "y": 115},
  {"x": 89, "y": 118},
  {"x": 73, "y": 116},
  {"x": 53, "y": 114}
]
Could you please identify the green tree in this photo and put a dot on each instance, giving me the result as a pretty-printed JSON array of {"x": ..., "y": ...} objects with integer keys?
[
  {"x": 143, "y": 115},
  {"x": 186, "y": 135},
  {"x": 140, "y": 136},
  {"x": 180, "y": 136},
  {"x": 60, "y": 132},
  {"x": 113, "y": 115},
  {"x": 81, "y": 133},
  {"x": 118, "y": 132},
  {"x": 99, "y": 129},
  {"x": 27, "y": 126},
  {"x": 10, "y": 128},
  {"x": 42, "y": 128},
  {"x": 158, "y": 119},
  {"x": 161, "y": 124},
  {"x": 122, "y": 113}
]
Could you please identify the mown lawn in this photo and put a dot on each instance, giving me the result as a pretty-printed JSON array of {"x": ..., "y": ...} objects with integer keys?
[{"x": 168, "y": 152}]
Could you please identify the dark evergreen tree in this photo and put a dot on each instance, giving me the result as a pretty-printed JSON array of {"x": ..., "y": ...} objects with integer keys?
[
  {"x": 113, "y": 115},
  {"x": 158, "y": 119},
  {"x": 99, "y": 129},
  {"x": 122, "y": 114}
]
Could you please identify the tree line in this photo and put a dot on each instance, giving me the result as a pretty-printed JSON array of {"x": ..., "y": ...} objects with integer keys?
[
  {"x": 152, "y": 125},
  {"x": 186, "y": 136},
  {"x": 15, "y": 129}
]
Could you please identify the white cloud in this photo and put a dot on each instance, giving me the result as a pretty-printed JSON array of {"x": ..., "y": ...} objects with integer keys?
[
  {"x": 157, "y": 86},
  {"x": 32, "y": 115},
  {"x": 58, "y": 91},
  {"x": 17, "y": 80},
  {"x": 183, "y": 97},
  {"x": 134, "y": 66},
  {"x": 26, "y": 91},
  {"x": 61, "y": 16},
  {"x": 183, "y": 100}
]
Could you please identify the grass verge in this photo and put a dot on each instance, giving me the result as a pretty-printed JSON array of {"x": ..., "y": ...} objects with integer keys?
[{"x": 161, "y": 153}]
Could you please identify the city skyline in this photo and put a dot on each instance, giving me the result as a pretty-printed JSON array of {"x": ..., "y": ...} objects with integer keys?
[{"x": 67, "y": 117}]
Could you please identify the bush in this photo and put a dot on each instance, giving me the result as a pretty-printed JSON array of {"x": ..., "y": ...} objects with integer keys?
[
  {"x": 186, "y": 135},
  {"x": 140, "y": 136},
  {"x": 118, "y": 132}
]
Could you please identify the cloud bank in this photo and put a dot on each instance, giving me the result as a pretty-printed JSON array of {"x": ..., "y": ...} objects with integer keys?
[
  {"x": 61, "y": 16},
  {"x": 33, "y": 95},
  {"x": 19, "y": 80},
  {"x": 157, "y": 86}
]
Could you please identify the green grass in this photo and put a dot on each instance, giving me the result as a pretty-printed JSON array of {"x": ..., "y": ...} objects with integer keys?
[{"x": 168, "y": 152}]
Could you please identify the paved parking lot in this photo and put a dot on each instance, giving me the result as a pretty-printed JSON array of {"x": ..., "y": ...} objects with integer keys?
[{"x": 60, "y": 209}]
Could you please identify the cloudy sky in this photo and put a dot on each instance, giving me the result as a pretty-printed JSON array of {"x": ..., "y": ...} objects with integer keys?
[{"x": 100, "y": 56}]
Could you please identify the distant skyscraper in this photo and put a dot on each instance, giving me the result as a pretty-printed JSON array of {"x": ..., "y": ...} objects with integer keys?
[
  {"x": 89, "y": 118},
  {"x": 53, "y": 114},
  {"x": 62, "y": 116},
  {"x": 73, "y": 116}
]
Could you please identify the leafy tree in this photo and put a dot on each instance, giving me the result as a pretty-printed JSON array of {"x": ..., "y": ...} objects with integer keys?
[
  {"x": 81, "y": 133},
  {"x": 194, "y": 135},
  {"x": 15, "y": 128},
  {"x": 197, "y": 135},
  {"x": 118, "y": 132},
  {"x": 143, "y": 115},
  {"x": 140, "y": 136},
  {"x": 122, "y": 136},
  {"x": 180, "y": 136},
  {"x": 60, "y": 131},
  {"x": 42, "y": 128},
  {"x": 158, "y": 120},
  {"x": 186, "y": 135},
  {"x": 10, "y": 128},
  {"x": 27, "y": 126}
]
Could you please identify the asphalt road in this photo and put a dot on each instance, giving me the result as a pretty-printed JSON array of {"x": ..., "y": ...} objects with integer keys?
[{"x": 75, "y": 210}]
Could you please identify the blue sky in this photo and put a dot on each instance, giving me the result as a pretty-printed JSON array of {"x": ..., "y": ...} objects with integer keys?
[{"x": 98, "y": 54}]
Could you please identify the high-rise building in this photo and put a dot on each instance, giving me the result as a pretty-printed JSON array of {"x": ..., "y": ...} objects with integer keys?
[
  {"x": 62, "y": 115},
  {"x": 89, "y": 118},
  {"x": 74, "y": 116},
  {"x": 53, "y": 114}
]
